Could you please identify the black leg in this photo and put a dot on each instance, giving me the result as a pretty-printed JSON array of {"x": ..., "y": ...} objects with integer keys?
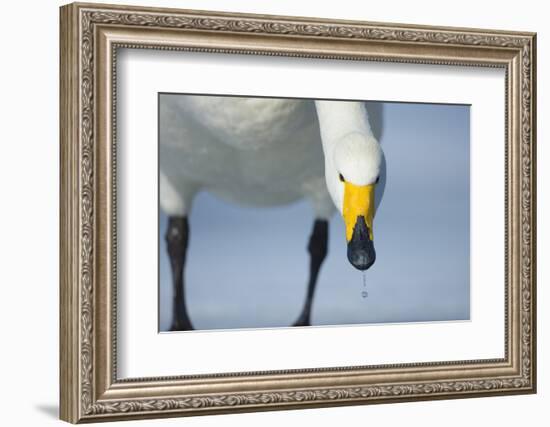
[
  {"x": 317, "y": 248},
  {"x": 177, "y": 237}
]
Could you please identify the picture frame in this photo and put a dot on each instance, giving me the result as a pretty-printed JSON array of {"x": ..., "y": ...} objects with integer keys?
[{"x": 91, "y": 36}]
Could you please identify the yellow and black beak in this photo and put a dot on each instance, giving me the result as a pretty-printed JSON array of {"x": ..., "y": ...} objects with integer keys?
[{"x": 358, "y": 212}]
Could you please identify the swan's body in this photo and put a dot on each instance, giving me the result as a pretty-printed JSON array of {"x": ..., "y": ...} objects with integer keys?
[
  {"x": 258, "y": 152},
  {"x": 265, "y": 152}
]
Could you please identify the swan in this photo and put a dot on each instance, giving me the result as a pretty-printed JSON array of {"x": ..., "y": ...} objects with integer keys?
[{"x": 267, "y": 152}]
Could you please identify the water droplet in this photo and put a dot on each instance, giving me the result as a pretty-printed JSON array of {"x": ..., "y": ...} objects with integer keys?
[{"x": 364, "y": 293}]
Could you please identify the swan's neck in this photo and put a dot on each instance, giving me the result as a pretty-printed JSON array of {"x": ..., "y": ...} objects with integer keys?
[{"x": 340, "y": 118}]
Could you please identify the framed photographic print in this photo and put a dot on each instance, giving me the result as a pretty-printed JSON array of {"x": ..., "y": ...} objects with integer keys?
[{"x": 266, "y": 212}]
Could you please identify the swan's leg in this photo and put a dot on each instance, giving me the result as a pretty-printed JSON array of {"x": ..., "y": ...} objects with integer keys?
[
  {"x": 316, "y": 191},
  {"x": 177, "y": 237},
  {"x": 317, "y": 248},
  {"x": 175, "y": 201}
]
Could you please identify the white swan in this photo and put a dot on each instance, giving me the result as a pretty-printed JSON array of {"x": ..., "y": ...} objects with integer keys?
[{"x": 262, "y": 152}]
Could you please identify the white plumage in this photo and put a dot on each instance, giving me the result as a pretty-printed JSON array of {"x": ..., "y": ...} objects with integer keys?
[{"x": 262, "y": 151}]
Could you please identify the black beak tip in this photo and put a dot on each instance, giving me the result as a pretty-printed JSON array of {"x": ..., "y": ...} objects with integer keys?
[
  {"x": 361, "y": 253},
  {"x": 361, "y": 258}
]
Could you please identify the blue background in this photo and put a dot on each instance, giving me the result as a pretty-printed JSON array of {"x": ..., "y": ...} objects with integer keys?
[{"x": 422, "y": 239}]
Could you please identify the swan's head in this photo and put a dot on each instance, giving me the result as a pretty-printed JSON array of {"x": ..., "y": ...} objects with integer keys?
[{"x": 352, "y": 176}]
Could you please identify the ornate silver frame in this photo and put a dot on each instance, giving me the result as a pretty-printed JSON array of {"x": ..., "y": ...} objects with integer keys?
[{"x": 90, "y": 36}]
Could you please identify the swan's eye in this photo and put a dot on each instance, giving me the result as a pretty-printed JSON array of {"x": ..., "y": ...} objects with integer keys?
[
  {"x": 377, "y": 179},
  {"x": 341, "y": 178}
]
